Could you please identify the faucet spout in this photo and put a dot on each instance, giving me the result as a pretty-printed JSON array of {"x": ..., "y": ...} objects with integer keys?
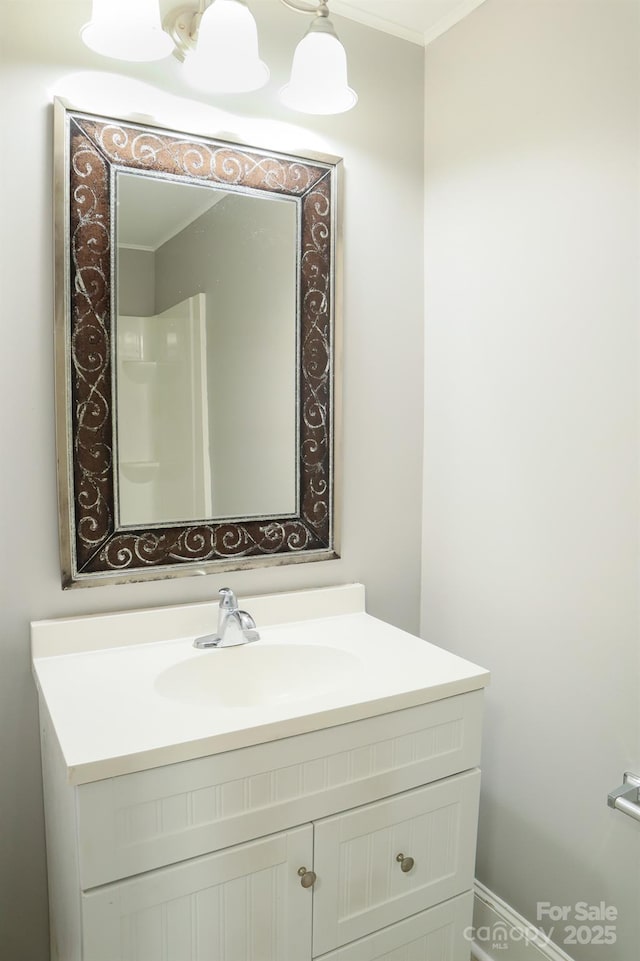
[{"x": 234, "y": 626}]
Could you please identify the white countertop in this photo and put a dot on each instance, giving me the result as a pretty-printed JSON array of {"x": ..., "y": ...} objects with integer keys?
[{"x": 111, "y": 717}]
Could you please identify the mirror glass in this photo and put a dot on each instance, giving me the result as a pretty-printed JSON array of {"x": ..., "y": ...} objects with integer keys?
[
  {"x": 206, "y": 352},
  {"x": 196, "y": 330}
]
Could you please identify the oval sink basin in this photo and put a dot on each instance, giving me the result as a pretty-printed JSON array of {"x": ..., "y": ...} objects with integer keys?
[{"x": 257, "y": 674}]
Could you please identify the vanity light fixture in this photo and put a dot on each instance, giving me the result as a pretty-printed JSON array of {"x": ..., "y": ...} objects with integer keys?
[
  {"x": 318, "y": 81},
  {"x": 218, "y": 43},
  {"x": 219, "y": 46},
  {"x": 127, "y": 31}
]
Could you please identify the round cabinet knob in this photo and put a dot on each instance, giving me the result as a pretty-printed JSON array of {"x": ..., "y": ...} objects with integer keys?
[
  {"x": 307, "y": 878},
  {"x": 405, "y": 863}
]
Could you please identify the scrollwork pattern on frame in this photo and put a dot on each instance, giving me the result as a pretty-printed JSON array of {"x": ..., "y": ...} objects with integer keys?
[{"x": 96, "y": 147}]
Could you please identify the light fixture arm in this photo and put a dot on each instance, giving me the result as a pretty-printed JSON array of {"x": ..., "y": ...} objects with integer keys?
[
  {"x": 182, "y": 25},
  {"x": 319, "y": 9},
  {"x": 197, "y": 17}
]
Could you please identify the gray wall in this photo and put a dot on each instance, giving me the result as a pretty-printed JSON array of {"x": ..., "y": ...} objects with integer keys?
[
  {"x": 136, "y": 282},
  {"x": 530, "y": 562},
  {"x": 381, "y": 142}
]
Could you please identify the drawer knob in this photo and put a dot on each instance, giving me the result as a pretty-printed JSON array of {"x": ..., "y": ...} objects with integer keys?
[
  {"x": 405, "y": 863},
  {"x": 307, "y": 878}
]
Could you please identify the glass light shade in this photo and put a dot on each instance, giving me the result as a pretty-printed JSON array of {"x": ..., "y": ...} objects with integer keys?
[
  {"x": 226, "y": 58},
  {"x": 318, "y": 81},
  {"x": 127, "y": 30}
]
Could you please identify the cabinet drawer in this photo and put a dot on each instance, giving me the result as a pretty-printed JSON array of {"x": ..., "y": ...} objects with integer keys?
[
  {"x": 438, "y": 934},
  {"x": 138, "y": 822},
  {"x": 361, "y": 885},
  {"x": 239, "y": 904}
]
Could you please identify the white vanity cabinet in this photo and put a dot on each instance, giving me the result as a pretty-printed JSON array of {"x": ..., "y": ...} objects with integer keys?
[
  {"x": 332, "y": 818},
  {"x": 203, "y": 859}
]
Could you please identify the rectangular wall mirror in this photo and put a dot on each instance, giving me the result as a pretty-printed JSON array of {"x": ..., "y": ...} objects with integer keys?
[{"x": 197, "y": 320}]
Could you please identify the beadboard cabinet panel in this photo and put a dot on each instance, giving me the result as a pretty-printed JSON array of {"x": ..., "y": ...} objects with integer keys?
[
  {"x": 245, "y": 903},
  {"x": 138, "y": 822},
  {"x": 361, "y": 883}
]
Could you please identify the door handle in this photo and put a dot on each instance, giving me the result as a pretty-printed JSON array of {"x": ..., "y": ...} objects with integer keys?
[
  {"x": 307, "y": 878},
  {"x": 405, "y": 863}
]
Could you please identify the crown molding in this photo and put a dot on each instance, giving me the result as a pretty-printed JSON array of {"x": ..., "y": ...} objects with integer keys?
[
  {"x": 422, "y": 38},
  {"x": 345, "y": 9},
  {"x": 450, "y": 20}
]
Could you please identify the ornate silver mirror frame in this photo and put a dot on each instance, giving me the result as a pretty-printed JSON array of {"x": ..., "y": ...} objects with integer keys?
[{"x": 95, "y": 548}]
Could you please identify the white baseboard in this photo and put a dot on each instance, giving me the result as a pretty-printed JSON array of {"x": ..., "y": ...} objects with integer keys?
[{"x": 501, "y": 934}]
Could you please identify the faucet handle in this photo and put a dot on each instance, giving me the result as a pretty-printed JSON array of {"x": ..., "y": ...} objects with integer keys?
[{"x": 228, "y": 600}]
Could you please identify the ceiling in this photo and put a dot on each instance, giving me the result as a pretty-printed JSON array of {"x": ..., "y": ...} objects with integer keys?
[
  {"x": 151, "y": 211},
  {"x": 419, "y": 21}
]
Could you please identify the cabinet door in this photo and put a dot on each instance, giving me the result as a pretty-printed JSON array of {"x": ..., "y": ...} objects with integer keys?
[
  {"x": 361, "y": 885},
  {"x": 244, "y": 903}
]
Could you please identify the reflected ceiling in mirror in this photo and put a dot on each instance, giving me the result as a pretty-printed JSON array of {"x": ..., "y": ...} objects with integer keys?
[{"x": 196, "y": 324}]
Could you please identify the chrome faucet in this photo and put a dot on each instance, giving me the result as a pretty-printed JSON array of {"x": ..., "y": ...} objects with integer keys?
[{"x": 234, "y": 626}]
